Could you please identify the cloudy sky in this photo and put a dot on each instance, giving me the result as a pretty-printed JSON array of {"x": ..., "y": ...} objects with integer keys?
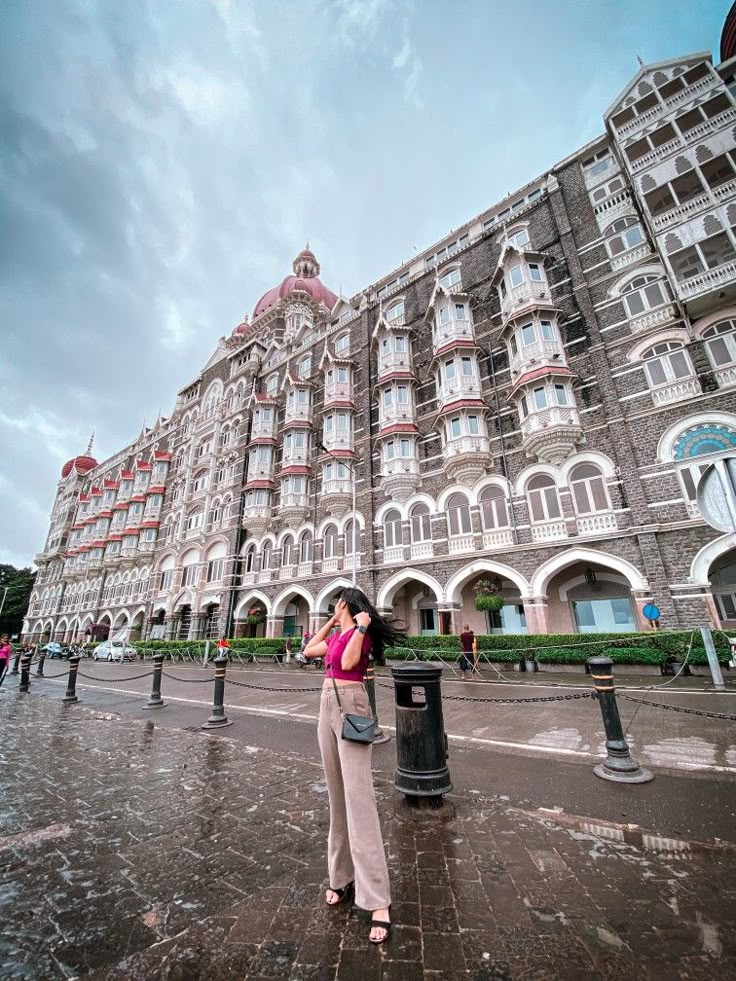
[{"x": 162, "y": 161}]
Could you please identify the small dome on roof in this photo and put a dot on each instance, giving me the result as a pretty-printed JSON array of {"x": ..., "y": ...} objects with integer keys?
[
  {"x": 82, "y": 464},
  {"x": 305, "y": 279}
]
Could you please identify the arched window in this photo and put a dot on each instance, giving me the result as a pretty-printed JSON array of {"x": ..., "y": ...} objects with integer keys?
[
  {"x": 623, "y": 234},
  {"x": 330, "y": 542},
  {"x": 199, "y": 483},
  {"x": 644, "y": 293},
  {"x": 342, "y": 344},
  {"x": 695, "y": 449},
  {"x": 392, "y": 536},
  {"x": 458, "y": 515},
  {"x": 544, "y": 502},
  {"x": 287, "y": 551},
  {"x": 720, "y": 343},
  {"x": 589, "y": 490},
  {"x": 305, "y": 367},
  {"x": 306, "y": 550},
  {"x": 266, "y": 555},
  {"x": 195, "y": 520},
  {"x": 349, "y": 526},
  {"x": 493, "y": 509},
  {"x": 666, "y": 363},
  {"x": 250, "y": 559},
  {"x": 215, "y": 515},
  {"x": 421, "y": 530}
]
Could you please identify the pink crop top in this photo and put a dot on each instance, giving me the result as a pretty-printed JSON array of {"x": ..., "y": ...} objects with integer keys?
[{"x": 333, "y": 658}]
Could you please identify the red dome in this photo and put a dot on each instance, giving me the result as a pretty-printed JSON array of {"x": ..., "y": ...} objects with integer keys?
[
  {"x": 305, "y": 279},
  {"x": 82, "y": 464}
]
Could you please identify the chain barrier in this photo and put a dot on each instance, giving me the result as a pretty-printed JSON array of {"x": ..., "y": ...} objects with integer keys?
[
  {"x": 244, "y": 684},
  {"x": 194, "y": 681},
  {"x": 518, "y": 701},
  {"x": 132, "y": 677},
  {"x": 44, "y": 676},
  {"x": 679, "y": 708}
]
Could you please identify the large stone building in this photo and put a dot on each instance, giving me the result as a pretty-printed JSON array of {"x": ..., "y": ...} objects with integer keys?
[{"x": 532, "y": 401}]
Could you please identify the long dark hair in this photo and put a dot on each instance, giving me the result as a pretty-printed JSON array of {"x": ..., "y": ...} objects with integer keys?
[{"x": 382, "y": 631}]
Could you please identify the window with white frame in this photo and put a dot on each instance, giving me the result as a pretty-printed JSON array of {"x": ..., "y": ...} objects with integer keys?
[
  {"x": 458, "y": 515},
  {"x": 352, "y": 527},
  {"x": 544, "y": 501},
  {"x": 215, "y": 569},
  {"x": 519, "y": 239},
  {"x": 392, "y": 535},
  {"x": 421, "y": 528},
  {"x": 395, "y": 311},
  {"x": 398, "y": 447},
  {"x": 589, "y": 491},
  {"x": 267, "y": 556},
  {"x": 189, "y": 577},
  {"x": 644, "y": 293},
  {"x": 215, "y": 514},
  {"x": 535, "y": 272},
  {"x": 250, "y": 559},
  {"x": 451, "y": 278},
  {"x": 342, "y": 344},
  {"x": 515, "y": 275},
  {"x": 288, "y": 551},
  {"x": 293, "y": 485},
  {"x": 666, "y": 363},
  {"x": 272, "y": 384},
  {"x": 335, "y": 471},
  {"x": 623, "y": 234},
  {"x": 195, "y": 520},
  {"x": 200, "y": 481},
  {"x": 720, "y": 343},
  {"x": 305, "y": 367},
  {"x": 306, "y": 547},
  {"x": 329, "y": 542},
  {"x": 493, "y": 510}
]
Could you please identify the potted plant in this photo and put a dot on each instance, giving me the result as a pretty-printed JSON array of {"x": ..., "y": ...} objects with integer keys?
[
  {"x": 255, "y": 615},
  {"x": 488, "y": 596}
]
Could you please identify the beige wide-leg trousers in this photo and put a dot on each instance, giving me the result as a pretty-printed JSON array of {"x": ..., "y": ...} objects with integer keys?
[{"x": 355, "y": 845}]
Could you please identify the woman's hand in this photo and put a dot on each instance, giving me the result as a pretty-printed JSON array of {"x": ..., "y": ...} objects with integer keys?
[{"x": 363, "y": 619}]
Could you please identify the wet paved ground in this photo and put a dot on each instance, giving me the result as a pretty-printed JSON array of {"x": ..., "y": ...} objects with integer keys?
[{"x": 129, "y": 851}]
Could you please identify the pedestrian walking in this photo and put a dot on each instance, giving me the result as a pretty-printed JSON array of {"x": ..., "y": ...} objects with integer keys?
[
  {"x": 356, "y": 860},
  {"x": 468, "y": 657},
  {"x": 6, "y": 652}
]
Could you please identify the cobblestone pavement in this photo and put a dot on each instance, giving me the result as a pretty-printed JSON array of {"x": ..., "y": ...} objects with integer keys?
[{"x": 128, "y": 851}]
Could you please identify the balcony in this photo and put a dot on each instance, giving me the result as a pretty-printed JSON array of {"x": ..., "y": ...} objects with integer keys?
[
  {"x": 331, "y": 565},
  {"x": 726, "y": 377},
  {"x": 498, "y": 538},
  {"x": 549, "y": 531},
  {"x": 258, "y": 470},
  {"x": 638, "y": 121},
  {"x": 397, "y": 412},
  {"x": 467, "y": 457},
  {"x": 456, "y": 389},
  {"x": 422, "y": 550},
  {"x": 617, "y": 206},
  {"x": 461, "y": 543},
  {"x": 305, "y": 569},
  {"x": 265, "y": 575},
  {"x": 391, "y": 361},
  {"x": 724, "y": 118},
  {"x": 336, "y": 496},
  {"x": 400, "y": 477},
  {"x": 294, "y": 507},
  {"x": 338, "y": 392},
  {"x": 128, "y": 551},
  {"x": 145, "y": 548},
  {"x": 263, "y": 429},
  {"x": 654, "y": 156},
  {"x": 724, "y": 191},
  {"x": 338, "y": 439},
  {"x": 452, "y": 330},
  {"x": 295, "y": 456},
  {"x": 519, "y": 297},
  {"x": 256, "y": 517},
  {"x": 653, "y": 319},
  {"x": 287, "y": 573},
  {"x": 680, "y": 214},
  {"x": 541, "y": 352},
  {"x": 298, "y": 412},
  {"x": 393, "y": 554},
  {"x": 597, "y": 524},
  {"x": 630, "y": 256},
  {"x": 678, "y": 391},
  {"x": 705, "y": 282},
  {"x": 552, "y": 434}
]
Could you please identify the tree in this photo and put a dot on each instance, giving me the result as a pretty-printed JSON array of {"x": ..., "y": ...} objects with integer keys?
[{"x": 19, "y": 583}]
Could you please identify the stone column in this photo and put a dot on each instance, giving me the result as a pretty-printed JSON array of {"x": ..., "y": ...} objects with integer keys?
[
  {"x": 535, "y": 611},
  {"x": 272, "y": 626}
]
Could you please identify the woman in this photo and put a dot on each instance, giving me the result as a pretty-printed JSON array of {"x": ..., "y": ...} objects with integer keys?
[
  {"x": 6, "y": 652},
  {"x": 356, "y": 860}
]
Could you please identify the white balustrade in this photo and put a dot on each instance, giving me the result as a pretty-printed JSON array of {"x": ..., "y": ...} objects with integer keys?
[
  {"x": 596, "y": 524},
  {"x": 722, "y": 119},
  {"x": 305, "y": 569},
  {"x": 338, "y": 439},
  {"x": 295, "y": 456},
  {"x": 523, "y": 295},
  {"x": 690, "y": 91},
  {"x": 391, "y": 361},
  {"x": 331, "y": 564},
  {"x": 707, "y": 281},
  {"x": 631, "y": 255},
  {"x": 682, "y": 212},
  {"x": 548, "y": 531},
  {"x": 294, "y": 500},
  {"x": 263, "y": 429},
  {"x": 337, "y": 391},
  {"x": 297, "y": 411},
  {"x": 287, "y": 572},
  {"x": 265, "y": 575},
  {"x": 248, "y": 578},
  {"x": 498, "y": 538},
  {"x": 652, "y": 319},
  {"x": 529, "y": 355},
  {"x": 726, "y": 377},
  {"x": 393, "y": 554},
  {"x": 255, "y": 512},
  {"x": 725, "y": 191},
  {"x": 397, "y": 412},
  {"x": 638, "y": 121},
  {"x": 676, "y": 391},
  {"x": 422, "y": 550},
  {"x": 462, "y": 387},
  {"x": 337, "y": 487},
  {"x": 461, "y": 543},
  {"x": 466, "y": 445},
  {"x": 400, "y": 465},
  {"x": 546, "y": 418},
  {"x": 452, "y": 330},
  {"x": 654, "y": 156}
]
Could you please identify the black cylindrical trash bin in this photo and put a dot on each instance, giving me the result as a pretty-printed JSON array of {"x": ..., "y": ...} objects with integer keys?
[{"x": 421, "y": 743}]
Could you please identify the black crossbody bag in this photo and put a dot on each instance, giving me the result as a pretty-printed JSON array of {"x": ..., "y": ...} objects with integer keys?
[{"x": 355, "y": 728}]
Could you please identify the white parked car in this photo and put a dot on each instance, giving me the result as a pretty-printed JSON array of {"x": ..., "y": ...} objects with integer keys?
[{"x": 114, "y": 650}]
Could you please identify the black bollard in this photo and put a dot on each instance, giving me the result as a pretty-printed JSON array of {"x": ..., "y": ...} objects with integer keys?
[
  {"x": 25, "y": 673},
  {"x": 421, "y": 743},
  {"x": 41, "y": 660},
  {"x": 370, "y": 686},
  {"x": 155, "y": 701},
  {"x": 218, "y": 719},
  {"x": 16, "y": 662},
  {"x": 619, "y": 766},
  {"x": 71, "y": 685}
]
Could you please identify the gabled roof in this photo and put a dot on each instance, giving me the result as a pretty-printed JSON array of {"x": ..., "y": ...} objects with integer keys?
[
  {"x": 447, "y": 291},
  {"x": 646, "y": 74},
  {"x": 523, "y": 253},
  {"x": 219, "y": 354}
]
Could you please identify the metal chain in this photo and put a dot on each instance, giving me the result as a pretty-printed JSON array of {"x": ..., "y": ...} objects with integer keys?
[
  {"x": 194, "y": 681},
  {"x": 681, "y": 709},
  {"x": 44, "y": 676},
  {"x": 243, "y": 684},
  {"x": 132, "y": 677},
  {"x": 518, "y": 701}
]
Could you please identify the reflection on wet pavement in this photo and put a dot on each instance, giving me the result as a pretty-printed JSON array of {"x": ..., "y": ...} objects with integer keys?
[{"x": 133, "y": 852}]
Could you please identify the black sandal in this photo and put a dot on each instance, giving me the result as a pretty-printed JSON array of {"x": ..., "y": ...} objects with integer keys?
[
  {"x": 382, "y": 925},
  {"x": 342, "y": 894}
]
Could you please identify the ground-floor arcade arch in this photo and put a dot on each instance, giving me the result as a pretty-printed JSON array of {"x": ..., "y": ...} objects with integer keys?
[{"x": 417, "y": 600}]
